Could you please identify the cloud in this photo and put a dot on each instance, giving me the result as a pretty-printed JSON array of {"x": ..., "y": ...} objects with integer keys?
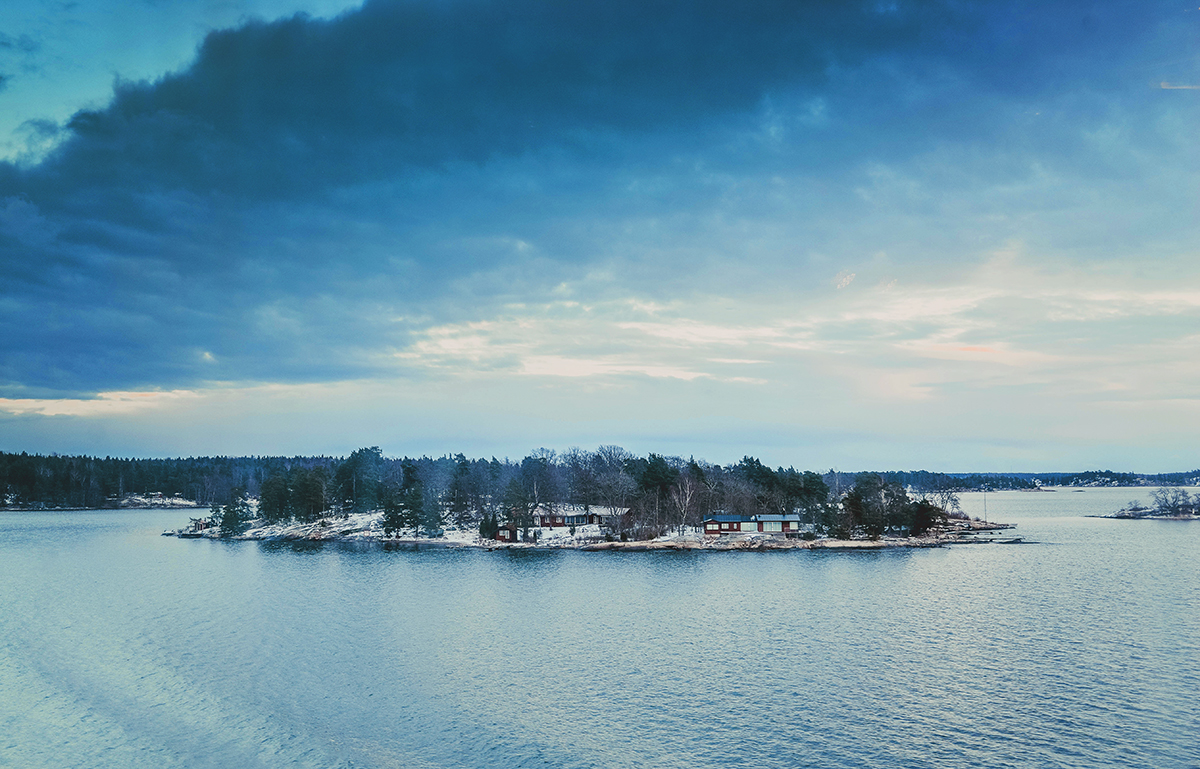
[
  {"x": 302, "y": 104},
  {"x": 1007, "y": 326},
  {"x": 267, "y": 212},
  {"x": 302, "y": 179},
  {"x": 105, "y": 404}
]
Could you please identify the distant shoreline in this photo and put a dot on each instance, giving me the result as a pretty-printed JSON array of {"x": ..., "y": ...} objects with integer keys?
[
  {"x": 1118, "y": 516},
  {"x": 128, "y": 503}
]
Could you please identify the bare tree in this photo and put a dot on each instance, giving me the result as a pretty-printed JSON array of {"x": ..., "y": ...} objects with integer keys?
[
  {"x": 684, "y": 496},
  {"x": 1172, "y": 502}
]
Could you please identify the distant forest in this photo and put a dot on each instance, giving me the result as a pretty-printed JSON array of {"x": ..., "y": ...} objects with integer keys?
[{"x": 471, "y": 488}]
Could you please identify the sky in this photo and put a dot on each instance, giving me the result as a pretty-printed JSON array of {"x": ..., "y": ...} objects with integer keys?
[{"x": 948, "y": 235}]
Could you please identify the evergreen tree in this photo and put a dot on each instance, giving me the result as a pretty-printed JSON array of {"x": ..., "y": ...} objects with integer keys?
[
  {"x": 488, "y": 526},
  {"x": 924, "y": 515},
  {"x": 875, "y": 505},
  {"x": 235, "y": 516},
  {"x": 411, "y": 512},
  {"x": 460, "y": 492},
  {"x": 311, "y": 493},
  {"x": 431, "y": 517},
  {"x": 357, "y": 480},
  {"x": 274, "y": 499},
  {"x": 393, "y": 510},
  {"x": 412, "y": 507}
]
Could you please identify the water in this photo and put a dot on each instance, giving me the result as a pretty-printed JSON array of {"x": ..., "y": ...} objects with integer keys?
[{"x": 121, "y": 648}]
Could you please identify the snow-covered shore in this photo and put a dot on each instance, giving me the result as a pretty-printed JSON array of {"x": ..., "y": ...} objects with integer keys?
[
  {"x": 139, "y": 502},
  {"x": 368, "y": 527},
  {"x": 127, "y": 502}
]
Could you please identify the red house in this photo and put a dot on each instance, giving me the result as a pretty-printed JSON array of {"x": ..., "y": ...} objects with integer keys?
[{"x": 549, "y": 517}]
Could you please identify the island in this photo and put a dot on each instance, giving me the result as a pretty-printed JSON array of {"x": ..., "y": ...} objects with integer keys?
[
  {"x": 606, "y": 499},
  {"x": 1173, "y": 504},
  {"x": 677, "y": 508}
]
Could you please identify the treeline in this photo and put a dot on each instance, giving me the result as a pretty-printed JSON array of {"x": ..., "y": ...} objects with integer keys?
[
  {"x": 924, "y": 480},
  {"x": 1110, "y": 478},
  {"x": 608, "y": 476},
  {"x": 642, "y": 497},
  {"x": 92, "y": 482},
  {"x": 653, "y": 493},
  {"x": 650, "y": 494}
]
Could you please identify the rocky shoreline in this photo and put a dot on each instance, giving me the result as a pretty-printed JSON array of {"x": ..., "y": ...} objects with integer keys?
[{"x": 365, "y": 528}]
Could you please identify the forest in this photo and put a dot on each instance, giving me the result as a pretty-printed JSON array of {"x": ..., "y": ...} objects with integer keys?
[{"x": 656, "y": 491}]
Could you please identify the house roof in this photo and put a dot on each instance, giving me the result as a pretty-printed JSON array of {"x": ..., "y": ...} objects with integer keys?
[
  {"x": 557, "y": 509},
  {"x": 731, "y": 518}
]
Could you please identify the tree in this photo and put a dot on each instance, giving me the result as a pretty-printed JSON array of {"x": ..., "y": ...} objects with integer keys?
[
  {"x": 460, "y": 493},
  {"x": 583, "y": 485},
  {"x": 759, "y": 475},
  {"x": 875, "y": 505},
  {"x": 432, "y": 519},
  {"x": 414, "y": 511},
  {"x": 488, "y": 526},
  {"x": 310, "y": 497},
  {"x": 683, "y": 495},
  {"x": 233, "y": 518},
  {"x": 393, "y": 510},
  {"x": 924, "y": 516},
  {"x": 358, "y": 479},
  {"x": 614, "y": 483},
  {"x": 804, "y": 493},
  {"x": 519, "y": 505},
  {"x": 1172, "y": 502},
  {"x": 274, "y": 499}
]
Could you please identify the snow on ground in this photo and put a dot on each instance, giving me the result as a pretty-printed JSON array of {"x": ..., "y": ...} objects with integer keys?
[
  {"x": 561, "y": 536},
  {"x": 688, "y": 534},
  {"x": 369, "y": 526},
  {"x": 354, "y": 526},
  {"x": 155, "y": 500},
  {"x": 468, "y": 536}
]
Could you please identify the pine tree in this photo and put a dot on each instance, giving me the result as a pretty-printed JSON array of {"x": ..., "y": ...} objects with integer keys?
[
  {"x": 431, "y": 518},
  {"x": 393, "y": 511},
  {"x": 412, "y": 506},
  {"x": 235, "y": 516},
  {"x": 274, "y": 499}
]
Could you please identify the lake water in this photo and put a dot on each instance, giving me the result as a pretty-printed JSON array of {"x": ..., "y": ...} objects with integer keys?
[{"x": 121, "y": 648}]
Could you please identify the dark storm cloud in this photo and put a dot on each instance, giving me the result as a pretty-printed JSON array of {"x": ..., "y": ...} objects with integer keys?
[
  {"x": 267, "y": 212},
  {"x": 302, "y": 104}
]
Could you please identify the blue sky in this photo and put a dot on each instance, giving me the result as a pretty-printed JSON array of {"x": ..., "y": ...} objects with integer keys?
[{"x": 949, "y": 235}]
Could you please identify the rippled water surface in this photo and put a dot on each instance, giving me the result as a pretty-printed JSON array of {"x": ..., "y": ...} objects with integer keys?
[{"x": 121, "y": 648}]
